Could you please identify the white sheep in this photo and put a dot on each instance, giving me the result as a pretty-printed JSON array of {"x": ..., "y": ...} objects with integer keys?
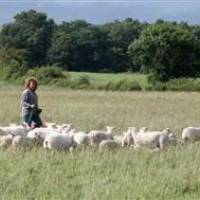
[
  {"x": 153, "y": 139},
  {"x": 108, "y": 145},
  {"x": 57, "y": 141},
  {"x": 81, "y": 138},
  {"x": 38, "y": 135},
  {"x": 16, "y": 130},
  {"x": 96, "y": 136},
  {"x": 191, "y": 134}
]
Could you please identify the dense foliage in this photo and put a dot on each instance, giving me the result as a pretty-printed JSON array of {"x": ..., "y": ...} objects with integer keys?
[
  {"x": 164, "y": 50},
  {"x": 167, "y": 50}
]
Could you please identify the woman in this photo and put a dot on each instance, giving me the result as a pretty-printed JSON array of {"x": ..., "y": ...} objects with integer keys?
[{"x": 29, "y": 104}]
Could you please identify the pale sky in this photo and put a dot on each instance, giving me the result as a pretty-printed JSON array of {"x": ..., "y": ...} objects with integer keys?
[{"x": 101, "y": 11}]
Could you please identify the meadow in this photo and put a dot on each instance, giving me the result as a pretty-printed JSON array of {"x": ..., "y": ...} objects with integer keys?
[
  {"x": 92, "y": 175},
  {"x": 101, "y": 79}
]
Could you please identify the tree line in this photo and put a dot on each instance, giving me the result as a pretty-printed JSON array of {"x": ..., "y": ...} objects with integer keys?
[{"x": 163, "y": 49}]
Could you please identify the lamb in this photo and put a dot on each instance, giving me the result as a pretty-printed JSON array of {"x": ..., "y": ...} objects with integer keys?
[
  {"x": 191, "y": 134},
  {"x": 96, "y": 136},
  {"x": 153, "y": 139},
  {"x": 57, "y": 141},
  {"x": 6, "y": 140},
  {"x": 81, "y": 138},
  {"x": 20, "y": 141},
  {"x": 38, "y": 135},
  {"x": 66, "y": 128},
  {"x": 108, "y": 145},
  {"x": 16, "y": 130}
]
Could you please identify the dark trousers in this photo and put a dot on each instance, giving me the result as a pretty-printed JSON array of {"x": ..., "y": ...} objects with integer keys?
[{"x": 29, "y": 118}]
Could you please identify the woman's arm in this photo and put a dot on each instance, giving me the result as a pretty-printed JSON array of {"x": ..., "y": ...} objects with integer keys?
[{"x": 25, "y": 100}]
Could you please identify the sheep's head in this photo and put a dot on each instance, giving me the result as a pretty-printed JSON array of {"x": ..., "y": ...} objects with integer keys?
[
  {"x": 110, "y": 129},
  {"x": 52, "y": 125},
  {"x": 172, "y": 137},
  {"x": 170, "y": 134},
  {"x": 144, "y": 129},
  {"x": 72, "y": 132},
  {"x": 167, "y": 131},
  {"x": 65, "y": 128}
]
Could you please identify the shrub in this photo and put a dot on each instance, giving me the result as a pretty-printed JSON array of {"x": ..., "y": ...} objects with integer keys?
[
  {"x": 123, "y": 85},
  {"x": 82, "y": 82},
  {"x": 48, "y": 75},
  {"x": 13, "y": 71}
]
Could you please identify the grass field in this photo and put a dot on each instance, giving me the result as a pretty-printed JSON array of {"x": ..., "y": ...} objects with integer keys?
[
  {"x": 99, "y": 79},
  {"x": 123, "y": 174}
]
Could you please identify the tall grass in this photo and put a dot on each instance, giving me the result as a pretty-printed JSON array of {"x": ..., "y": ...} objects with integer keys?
[{"x": 89, "y": 175}]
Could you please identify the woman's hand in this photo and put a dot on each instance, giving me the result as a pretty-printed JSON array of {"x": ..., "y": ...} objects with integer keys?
[{"x": 32, "y": 106}]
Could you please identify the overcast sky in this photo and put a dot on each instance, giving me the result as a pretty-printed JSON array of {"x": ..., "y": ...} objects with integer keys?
[{"x": 101, "y": 11}]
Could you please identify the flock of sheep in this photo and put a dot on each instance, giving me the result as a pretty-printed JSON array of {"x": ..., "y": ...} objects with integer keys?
[{"x": 66, "y": 137}]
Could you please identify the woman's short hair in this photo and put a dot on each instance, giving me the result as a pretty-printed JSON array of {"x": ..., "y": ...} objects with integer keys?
[{"x": 29, "y": 80}]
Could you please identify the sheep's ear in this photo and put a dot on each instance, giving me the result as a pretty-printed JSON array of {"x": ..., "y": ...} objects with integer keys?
[{"x": 110, "y": 127}]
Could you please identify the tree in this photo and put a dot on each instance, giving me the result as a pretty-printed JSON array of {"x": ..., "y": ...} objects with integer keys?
[
  {"x": 78, "y": 46},
  {"x": 167, "y": 50},
  {"x": 31, "y": 32},
  {"x": 120, "y": 35}
]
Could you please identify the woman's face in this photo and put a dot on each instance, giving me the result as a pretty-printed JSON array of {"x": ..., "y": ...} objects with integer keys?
[{"x": 32, "y": 86}]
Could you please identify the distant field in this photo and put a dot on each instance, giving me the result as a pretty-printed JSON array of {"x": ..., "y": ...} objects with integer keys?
[
  {"x": 88, "y": 175},
  {"x": 103, "y": 78},
  {"x": 112, "y": 82}
]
